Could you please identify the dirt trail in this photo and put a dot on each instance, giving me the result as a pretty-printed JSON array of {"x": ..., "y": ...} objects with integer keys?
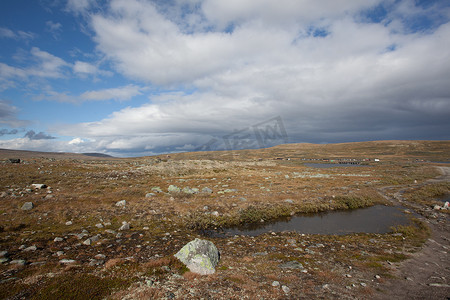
[{"x": 426, "y": 275}]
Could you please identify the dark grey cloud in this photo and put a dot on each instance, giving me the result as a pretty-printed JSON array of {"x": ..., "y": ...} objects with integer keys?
[
  {"x": 32, "y": 135},
  {"x": 7, "y": 131}
]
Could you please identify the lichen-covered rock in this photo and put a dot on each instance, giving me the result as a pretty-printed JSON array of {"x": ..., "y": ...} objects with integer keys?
[
  {"x": 200, "y": 256},
  {"x": 173, "y": 189}
]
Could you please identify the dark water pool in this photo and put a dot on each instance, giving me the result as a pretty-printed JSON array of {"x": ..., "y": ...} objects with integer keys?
[
  {"x": 375, "y": 219},
  {"x": 324, "y": 166}
]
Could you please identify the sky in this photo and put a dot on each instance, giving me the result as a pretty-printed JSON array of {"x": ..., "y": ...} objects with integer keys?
[{"x": 135, "y": 77}]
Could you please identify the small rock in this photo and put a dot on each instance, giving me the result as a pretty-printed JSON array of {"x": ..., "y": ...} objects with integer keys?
[
  {"x": 68, "y": 223},
  {"x": 173, "y": 189},
  {"x": 215, "y": 213},
  {"x": 121, "y": 203},
  {"x": 348, "y": 275},
  {"x": 48, "y": 197},
  {"x": 291, "y": 265},
  {"x": 27, "y": 206},
  {"x": 446, "y": 205},
  {"x": 149, "y": 195},
  {"x": 60, "y": 253},
  {"x": 31, "y": 248},
  {"x": 19, "y": 262},
  {"x": 437, "y": 207},
  {"x": 157, "y": 189},
  {"x": 377, "y": 277},
  {"x": 275, "y": 283},
  {"x": 58, "y": 239},
  {"x": 67, "y": 261},
  {"x": 38, "y": 186},
  {"x": 285, "y": 289},
  {"x": 3, "y": 260},
  {"x": 289, "y": 201},
  {"x": 100, "y": 256},
  {"x": 125, "y": 226},
  {"x": 363, "y": 284},
  {"x": 207, "y": 190},
  {"x": 3, "y": 194},
  {"x": 110, "y": 231},
  {"x": 87, "y": 242},
  {"x": 99, "y": 225},
  {"x": 4, "y": 253}
]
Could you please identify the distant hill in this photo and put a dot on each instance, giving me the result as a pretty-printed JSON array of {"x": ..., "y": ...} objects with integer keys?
[
  {"x": 98, "y": 155},
  {"x": 25, "y": 154}
]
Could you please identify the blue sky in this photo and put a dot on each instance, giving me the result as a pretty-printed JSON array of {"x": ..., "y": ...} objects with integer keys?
[{"x": 135, "y": 77}]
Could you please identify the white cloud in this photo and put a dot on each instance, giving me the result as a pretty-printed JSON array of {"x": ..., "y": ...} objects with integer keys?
[
  {"x": 54, "y": 28},
  {"x": 120, "y": 93},
  {"x": 17, "y": 35},
  {"x": 84, "y": 68}
]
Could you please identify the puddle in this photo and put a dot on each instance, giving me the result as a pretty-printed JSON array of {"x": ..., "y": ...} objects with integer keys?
[
  {"x": 324, "y": 166},
  {"x": 375, "y": 219}
]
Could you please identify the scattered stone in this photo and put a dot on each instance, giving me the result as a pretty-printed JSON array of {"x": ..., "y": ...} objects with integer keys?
[
  {"x": 230, "y": 190},
  {"x": 200, "y": 256},
  {"x": 125, "y": 226},
  {"x": 3, "y": 260},
  {"x": 363, "y": 284},
  {"x": 4, "y": 253},
  {"x": 38, "y": 186},
  {"x": 289, "y": 201},
  {"x": 60, "y": 253},
  {"x": 87, "y": 242},
  {"x": 440, "y": 285},
  {"x": 68, "y": 223},
  {"x": 207, "y": 190},
  {"x": 291, "y": 265},
  {"x": 215, "y": 213},
  {"x": 99, "y": 225},
  {"x": 3, "y": 194},
  {"x": 27, "y": 206},
  {"x": 157, "y": 189},
  {"x": 243, "y": 199},
  {"x": 275, "y": 283},
  {"x": 446, "y": 205},
  {"x": 377, "y": 277},
  {"x": 285, "y": 289},
  {"x": 348, "y": 275},
  {"x": 110, "y": 231},
  {"x": 173, "y": 189},
  {"x": 31, "y": 248},
  {"x": 121, "y": 203},
  {"x": 14, "y": 160},
  {"x": 48, "y": 197},
  {"x": 67, "y": 261},
  {"x": 188, "y": 190},
  {"x": 100, "y": 256},
  {"x": 19, "y": 262},
  {"x": 149, "y": 195}
]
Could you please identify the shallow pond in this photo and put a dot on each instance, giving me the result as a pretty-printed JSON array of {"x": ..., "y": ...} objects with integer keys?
[
  {"x": 324, "y": 166},
  {"x": 375, "y": 219}
]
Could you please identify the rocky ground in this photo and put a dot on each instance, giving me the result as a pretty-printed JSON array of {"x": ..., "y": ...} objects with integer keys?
[{"x": 104, "y": 228}]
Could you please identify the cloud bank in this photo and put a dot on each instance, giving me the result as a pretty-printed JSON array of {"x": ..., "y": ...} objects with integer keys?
[{"x": 332, "y": 71}]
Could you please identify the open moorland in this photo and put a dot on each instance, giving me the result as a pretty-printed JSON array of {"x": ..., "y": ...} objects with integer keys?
[{"x": 76, "y": 226}]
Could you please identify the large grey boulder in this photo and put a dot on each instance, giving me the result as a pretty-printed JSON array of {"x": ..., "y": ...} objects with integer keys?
[{"x": 200, "y": 256}]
